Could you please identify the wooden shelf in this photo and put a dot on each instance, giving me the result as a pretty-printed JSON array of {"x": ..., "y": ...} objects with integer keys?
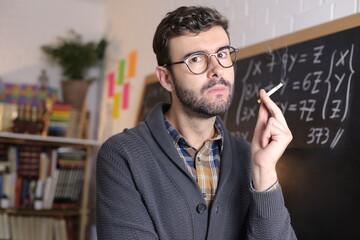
[
  {"x": 47, "y": 213},
  {"x": 18, "y": 137},
  {"x": 83, "y": 211}
]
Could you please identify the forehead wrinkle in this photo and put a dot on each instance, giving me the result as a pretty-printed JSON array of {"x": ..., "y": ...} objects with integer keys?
[{"x": 209, "y": 40}]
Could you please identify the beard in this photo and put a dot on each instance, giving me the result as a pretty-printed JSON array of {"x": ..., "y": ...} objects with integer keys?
[{"x": 201, "y": 106}]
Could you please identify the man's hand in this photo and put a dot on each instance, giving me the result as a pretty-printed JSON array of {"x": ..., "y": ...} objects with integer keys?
[{"x": 271, "y": 137}]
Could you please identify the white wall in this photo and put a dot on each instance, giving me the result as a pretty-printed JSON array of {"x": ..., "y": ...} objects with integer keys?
[
  {"x": 26, "y": 25},
  {"x": 131, "y": 25}
]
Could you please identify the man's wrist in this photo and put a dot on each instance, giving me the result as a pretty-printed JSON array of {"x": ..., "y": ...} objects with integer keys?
[
  {"x": 263, "y": 179},
  {"x": 275, "y": 186}
]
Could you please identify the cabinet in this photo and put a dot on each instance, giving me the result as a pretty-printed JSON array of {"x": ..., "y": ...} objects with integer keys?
[{"x": 79, "y": 210}]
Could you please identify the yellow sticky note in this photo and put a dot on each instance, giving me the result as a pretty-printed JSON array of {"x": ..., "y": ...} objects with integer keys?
[{"x": 116, "y": 106}]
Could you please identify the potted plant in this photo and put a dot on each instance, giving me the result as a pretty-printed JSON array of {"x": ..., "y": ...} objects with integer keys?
[{"x": 75, "y": 58}]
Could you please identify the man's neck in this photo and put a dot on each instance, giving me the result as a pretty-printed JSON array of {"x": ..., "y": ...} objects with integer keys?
[{"x": 196, "y": 130}]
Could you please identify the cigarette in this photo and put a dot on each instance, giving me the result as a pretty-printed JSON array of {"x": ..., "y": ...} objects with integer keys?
[{"x": 273, "y": 90}]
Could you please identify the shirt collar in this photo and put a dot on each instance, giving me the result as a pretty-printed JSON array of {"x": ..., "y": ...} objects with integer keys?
[{"x": 176, "y": 136}]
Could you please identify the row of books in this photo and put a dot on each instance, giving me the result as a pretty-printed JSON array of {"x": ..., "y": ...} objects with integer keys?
[
  {"x": 57, "y": 119},
  {"x": 68, "y": 121},
  {"x": 22, "y": 118},
  {"x": 18, "y": 227},
  {"x": 40, "y": 178}
]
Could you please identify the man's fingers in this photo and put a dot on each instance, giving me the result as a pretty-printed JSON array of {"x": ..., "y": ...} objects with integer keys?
[
  {"x": 274, "y": 110},
  {"x": 262, "y": 119}
]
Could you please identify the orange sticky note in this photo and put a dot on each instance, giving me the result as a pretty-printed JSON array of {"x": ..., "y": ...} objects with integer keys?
[{"x": 132, "y": 64}]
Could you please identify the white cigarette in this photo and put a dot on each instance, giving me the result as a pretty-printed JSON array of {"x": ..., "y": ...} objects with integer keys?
[{"x": 273, "y": 90}]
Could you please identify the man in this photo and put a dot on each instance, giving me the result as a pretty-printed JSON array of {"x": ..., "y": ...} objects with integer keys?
[{"x": 180, "y": 174}]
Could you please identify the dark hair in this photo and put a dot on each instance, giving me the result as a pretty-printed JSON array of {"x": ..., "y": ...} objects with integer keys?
[{"x": 184, "y": 20}]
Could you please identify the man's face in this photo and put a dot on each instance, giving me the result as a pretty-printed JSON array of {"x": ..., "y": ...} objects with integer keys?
[{"x": 207, "y": 94}]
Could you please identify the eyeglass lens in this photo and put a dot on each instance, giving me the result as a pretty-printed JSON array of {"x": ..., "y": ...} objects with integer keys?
[{"x": 198, "y": 63}]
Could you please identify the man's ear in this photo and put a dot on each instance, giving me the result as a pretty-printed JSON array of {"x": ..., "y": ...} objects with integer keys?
[{"x": 165, "y": 78}]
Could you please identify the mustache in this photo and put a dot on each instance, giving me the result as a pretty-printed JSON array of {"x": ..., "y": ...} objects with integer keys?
[{"x": 214, "y": 82}]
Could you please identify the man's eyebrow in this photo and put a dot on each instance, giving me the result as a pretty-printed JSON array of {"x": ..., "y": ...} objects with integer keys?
[
  {"x": 192, "y": 53},
  {"x": 203, "y": 51},
  {"x": 224, "y": 47}
]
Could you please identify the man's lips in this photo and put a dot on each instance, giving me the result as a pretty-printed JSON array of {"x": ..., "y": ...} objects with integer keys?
[
  {"x": 218, "y": 89},
  {"x": 217, "y": 86}
]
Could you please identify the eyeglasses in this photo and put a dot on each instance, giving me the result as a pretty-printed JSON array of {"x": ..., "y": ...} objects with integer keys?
[{"x": 199, "y": 62}]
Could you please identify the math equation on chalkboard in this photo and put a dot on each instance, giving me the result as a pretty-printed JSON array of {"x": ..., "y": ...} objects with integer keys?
[{"x": 318, "y": 79}]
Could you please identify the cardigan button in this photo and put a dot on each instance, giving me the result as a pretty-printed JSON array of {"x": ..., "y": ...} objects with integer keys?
[{"x": 201, "y": 208}]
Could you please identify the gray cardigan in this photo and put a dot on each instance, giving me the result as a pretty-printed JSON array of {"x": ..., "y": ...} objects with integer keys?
[{"x": 144, "y": 191}]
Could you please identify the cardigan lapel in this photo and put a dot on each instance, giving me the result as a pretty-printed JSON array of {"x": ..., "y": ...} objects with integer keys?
[
  {"x": 156, "y": 124},
  {"x": 226, "y": 162}
]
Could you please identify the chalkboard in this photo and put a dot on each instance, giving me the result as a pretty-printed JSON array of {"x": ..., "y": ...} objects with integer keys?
[
  {"x": 320, "y": 171},
  {"x": 153, "y": 93}
]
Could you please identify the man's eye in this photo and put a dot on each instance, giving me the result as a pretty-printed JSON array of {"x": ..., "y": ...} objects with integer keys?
[
  {"x": 196, "y": 59},
  {"x": 222, "y": 54}
]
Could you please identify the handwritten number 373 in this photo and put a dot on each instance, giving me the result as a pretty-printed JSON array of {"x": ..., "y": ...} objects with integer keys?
[{"x": 318, "y": 135}]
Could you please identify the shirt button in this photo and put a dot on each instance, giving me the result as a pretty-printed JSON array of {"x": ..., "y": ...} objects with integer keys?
[
  {"x": 201, "y": 208},
  {"x": 198, "y": 159}
]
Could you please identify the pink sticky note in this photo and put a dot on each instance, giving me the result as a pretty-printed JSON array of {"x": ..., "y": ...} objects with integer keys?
[
  {"x": 125, "y": 95},
  {"x": 111, "y": 83}
]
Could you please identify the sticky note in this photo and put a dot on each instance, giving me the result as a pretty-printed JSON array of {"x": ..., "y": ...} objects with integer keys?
[
  {"x": 121, "y": 72},
  {"x": 132, "y": 64},
  {"x": 111, "y": 83},
  {"x": 116, "y": 106},
  {"x": 125, "y": 96}
]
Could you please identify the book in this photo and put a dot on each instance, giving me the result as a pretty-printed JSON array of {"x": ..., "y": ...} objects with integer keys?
[
  {"x": 72, "y": 227},
  {"x": 9, "y": 186},
  {"x": 63, "y": 230},
  {"x": 30, "y": 199},
  {"x": 36, "y": 228},
  {"x": 18, "y": 190},
  {"x": 2, "y": 176},
  {"x": 29, "y": 160},
  {"x": 49, "y": 190},
  {"x": 14, "y": 227},
  {"x": 22, "y": 230},
  {"x": 13, "y": 158},
  {"x": 3, "y": 152},
  {"x": 68, "y": 189},
  {"x": 4, "y": 226},
  {"x": 59, "y": 119},
  {"x": 43, "y": 166},
  {"x": 39, "y": 193}
]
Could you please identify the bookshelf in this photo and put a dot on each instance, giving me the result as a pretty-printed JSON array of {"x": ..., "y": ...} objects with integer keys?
[{"x": 80, "y": 210}]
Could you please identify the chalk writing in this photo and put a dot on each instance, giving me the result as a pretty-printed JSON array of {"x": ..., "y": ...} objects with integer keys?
[{"x": 315, "y": 97}]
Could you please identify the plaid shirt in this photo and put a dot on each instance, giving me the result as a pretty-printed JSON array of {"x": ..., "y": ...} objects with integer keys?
[{"x": 204, "y": 163}]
